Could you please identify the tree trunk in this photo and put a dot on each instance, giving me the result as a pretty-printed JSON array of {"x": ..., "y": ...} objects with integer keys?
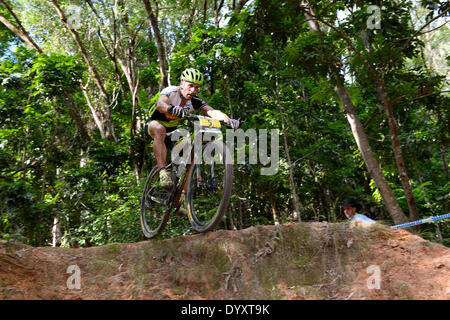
[
  {"x": 240, "y": 223},
  {"x": 129, "y": 68},
  {"x": 56, "y": 232},
  {"x": 113, "y": 59},
  {"x": 128, "y": 63},
  {"x": 444, "y": 162},
  {"x": 273, "y": 204},
  {"x": 375, "y": 172},
  {"x": 190, "y": 18},
  {"x": 20, "y": 34},
  {"x": 217, "y": 9},
  {"x": 296, "y": 201},
  {"x": 56, "y": 228},
  {"x": 369, "y": 159},
  {"x": 68, "y": 99},
  {"x": 159, "y": 45},
  {"x": 386, "y": 102},
  {"x": 97, "y": 115},
  {"x": 382, "y": 94},
  {"x": 205, "y": 9},
  {"x": 109, "y": 128},
  {"x": 429, "y": 62},
  {"x": 238, "y": 7},
  {"x": 231, "y": 224},
  {"x": 329, "y": 205}
]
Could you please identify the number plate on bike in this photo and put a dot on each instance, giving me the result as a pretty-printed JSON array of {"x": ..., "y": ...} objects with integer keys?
[{"x": 209, "y": 123}]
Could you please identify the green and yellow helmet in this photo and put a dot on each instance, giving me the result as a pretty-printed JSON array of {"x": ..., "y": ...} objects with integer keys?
[{"x": 192, "y": 75}]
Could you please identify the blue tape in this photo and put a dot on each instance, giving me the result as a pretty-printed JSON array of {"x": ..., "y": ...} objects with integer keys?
[{"x": 417, "y": 222}]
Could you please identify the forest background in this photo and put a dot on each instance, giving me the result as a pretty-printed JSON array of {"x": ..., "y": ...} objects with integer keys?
[{"x": 358, "y": 89}]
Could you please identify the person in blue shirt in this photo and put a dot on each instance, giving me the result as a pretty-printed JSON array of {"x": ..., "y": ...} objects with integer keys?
[{"x": 350, "y": 209}]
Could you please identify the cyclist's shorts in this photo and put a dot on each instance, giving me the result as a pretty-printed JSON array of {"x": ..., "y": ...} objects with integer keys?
[{"x": 167, "y": 141}]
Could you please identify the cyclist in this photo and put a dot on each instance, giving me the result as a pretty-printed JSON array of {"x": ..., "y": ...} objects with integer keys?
[{"x": 173, "y": 103}]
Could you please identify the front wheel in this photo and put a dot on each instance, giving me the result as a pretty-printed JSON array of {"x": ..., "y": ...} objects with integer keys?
[
  {"x": 209, "y": 189},
  {"x": 155, "y": 202}
]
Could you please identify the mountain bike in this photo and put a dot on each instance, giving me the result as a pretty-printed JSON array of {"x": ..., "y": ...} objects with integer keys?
[{"x": 206, "y": 167}]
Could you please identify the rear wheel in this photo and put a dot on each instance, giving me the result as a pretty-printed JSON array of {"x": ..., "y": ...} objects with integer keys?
[
  {"x": 155, "y": 202},
  {"x": 209, "y": 188}
]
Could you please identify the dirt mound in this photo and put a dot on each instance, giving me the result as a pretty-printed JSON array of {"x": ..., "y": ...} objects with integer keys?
[{"x": 294, "y": 261}]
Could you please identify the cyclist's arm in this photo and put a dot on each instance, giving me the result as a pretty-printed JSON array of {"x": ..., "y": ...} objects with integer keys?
[
  {"x": 215, "y": 114},
  {"x": 163, "y": 104}
]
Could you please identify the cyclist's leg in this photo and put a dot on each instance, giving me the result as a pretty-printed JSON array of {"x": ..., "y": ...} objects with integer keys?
[{"x": 158, "y": 132}]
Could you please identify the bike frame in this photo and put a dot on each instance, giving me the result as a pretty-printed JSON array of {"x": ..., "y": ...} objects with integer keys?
[
  {"x": 186, "y": 175},
  {"x": 183, "y": 175}
]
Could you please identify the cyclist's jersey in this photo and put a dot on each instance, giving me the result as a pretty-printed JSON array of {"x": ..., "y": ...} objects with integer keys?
[{"x": 174, "y": 95}]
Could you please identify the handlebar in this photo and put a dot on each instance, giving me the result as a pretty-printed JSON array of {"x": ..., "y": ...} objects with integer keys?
[
  {"x": 192, "y": 117},
  {"x": 195, "y": 117}
]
